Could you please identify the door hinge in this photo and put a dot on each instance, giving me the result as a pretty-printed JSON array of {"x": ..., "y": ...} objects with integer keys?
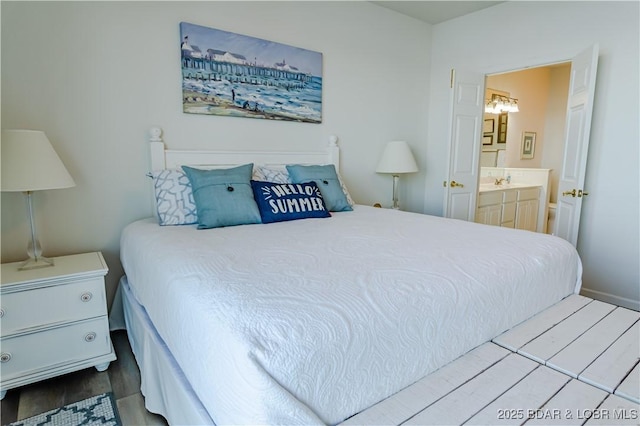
[{"x": 453, "y": 74}]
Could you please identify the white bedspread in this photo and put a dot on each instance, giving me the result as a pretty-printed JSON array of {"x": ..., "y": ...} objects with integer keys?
[{"x": 312, "y": 321}]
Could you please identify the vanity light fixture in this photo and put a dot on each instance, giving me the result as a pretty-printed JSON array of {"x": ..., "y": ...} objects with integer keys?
[
  {"x": 395, "y": 160},
  {"x": 29, "y": 163},
  {"x": 499, "y": 104}
]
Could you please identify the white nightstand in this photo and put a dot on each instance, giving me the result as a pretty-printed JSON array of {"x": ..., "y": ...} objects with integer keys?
[{"x": 53, "y": 320}]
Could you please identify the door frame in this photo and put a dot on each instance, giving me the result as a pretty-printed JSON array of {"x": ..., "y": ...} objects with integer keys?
[{"x": 478, "y": 147}]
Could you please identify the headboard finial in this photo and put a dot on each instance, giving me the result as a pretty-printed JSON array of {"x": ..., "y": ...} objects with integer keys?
[
  {"x": 156, "y": 146},
  {"x": 333, "y": 140},
  {"x": 155, "y": 134}
]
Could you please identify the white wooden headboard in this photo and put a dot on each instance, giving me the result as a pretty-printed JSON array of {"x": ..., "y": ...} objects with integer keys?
[{"x": 163, "y": 158}]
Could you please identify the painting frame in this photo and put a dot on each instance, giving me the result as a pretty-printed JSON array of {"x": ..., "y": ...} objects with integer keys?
[
  {"x": 236, "y": 75},
  {"x": 503, "y": 120},
  {"x": 528, "y": 146},
  {"x": 489, "y": 126}
]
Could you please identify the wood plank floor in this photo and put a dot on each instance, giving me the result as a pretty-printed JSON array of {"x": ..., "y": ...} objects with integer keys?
[{"x": 122, "y": 378}]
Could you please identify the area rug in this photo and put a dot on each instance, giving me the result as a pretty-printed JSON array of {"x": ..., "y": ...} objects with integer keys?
[{"x": 94, "y": 411}]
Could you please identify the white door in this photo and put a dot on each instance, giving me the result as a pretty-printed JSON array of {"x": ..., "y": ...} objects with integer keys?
[
  {"x": 461, "y": 185},
  {"x": 576, "y": 145}
]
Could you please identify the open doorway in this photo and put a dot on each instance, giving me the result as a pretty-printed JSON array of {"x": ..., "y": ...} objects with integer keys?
[
  {"x": 461, "y": 195},
  {"x": 542, "y": 95}
]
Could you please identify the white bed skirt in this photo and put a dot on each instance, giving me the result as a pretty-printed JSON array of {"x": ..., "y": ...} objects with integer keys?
[{"x": 165, "y": 388}]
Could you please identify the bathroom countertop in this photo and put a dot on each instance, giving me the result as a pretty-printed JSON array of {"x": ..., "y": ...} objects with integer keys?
[{"x": 487, "y": 187}]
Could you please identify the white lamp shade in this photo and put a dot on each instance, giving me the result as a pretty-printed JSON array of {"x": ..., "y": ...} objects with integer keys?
[
  {"x": 397, "y": 158},
  {"x": 29, "y": 163}
]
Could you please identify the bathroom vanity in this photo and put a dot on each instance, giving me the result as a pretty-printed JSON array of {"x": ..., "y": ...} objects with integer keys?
[
  {"x": 509, "y": 205},
  {"x": 514, "y": 197}
]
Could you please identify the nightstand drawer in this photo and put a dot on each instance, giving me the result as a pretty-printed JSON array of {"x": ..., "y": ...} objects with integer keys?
[
  {"x": 24, "y": 310},
  {"x": 31, "y": 353}
]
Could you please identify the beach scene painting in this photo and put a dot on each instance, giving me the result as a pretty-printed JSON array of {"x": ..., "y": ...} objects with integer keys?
[{"x": 234, "y": 75}]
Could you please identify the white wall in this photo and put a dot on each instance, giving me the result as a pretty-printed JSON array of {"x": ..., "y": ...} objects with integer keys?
[
  {"x": 96, "y": 75},
  {"x": 549, "y": 32}
]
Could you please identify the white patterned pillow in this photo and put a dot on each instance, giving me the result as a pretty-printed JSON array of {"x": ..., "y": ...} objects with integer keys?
[
  {"x": 275, "y": 174},
  {"x": 345, "y": 190},
  {"x": 174, "y": 198}
]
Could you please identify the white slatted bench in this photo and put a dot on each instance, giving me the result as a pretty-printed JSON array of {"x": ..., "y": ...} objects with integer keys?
[
  {"x": 574, "y": 363},
  {"x": 598, "y": 343}
]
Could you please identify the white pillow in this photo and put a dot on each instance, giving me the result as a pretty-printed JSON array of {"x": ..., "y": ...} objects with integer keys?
[{"x": 275, "y": 174}]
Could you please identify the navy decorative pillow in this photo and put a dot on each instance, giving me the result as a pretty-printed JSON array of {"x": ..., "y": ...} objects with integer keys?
[
  {"x": 223, "y": 196},
  {"x": 288, "y": 201},
  {"x": 327, "y": 180}
]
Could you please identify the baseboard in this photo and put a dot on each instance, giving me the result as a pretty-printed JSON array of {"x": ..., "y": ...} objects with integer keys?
[{"x": 610, "y": 298}]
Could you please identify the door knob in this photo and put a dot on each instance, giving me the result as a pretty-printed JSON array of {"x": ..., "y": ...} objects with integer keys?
[
  {"x": 453, "y": 184},
  {"x": 572, "y": 193}
]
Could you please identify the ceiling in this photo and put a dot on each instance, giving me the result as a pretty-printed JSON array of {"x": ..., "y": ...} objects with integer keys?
[{"x": 434, "y": 12}]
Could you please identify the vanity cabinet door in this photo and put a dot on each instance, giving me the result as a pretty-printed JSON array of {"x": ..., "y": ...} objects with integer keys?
[
  {"x": 508, "y": 218},
  {"x": 527, "y": 215},
  {"x": 489, "y": 215},
  {"x": 489, "y": 208},
  {"x": 509, "y": 215},
  {"x": 527, "y": 209}
]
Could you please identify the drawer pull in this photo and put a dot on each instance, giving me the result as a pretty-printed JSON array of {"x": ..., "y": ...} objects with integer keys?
[
  {"x": 90, "y": 337},
  {"x": 86, "y": 296},
  {"x": 5, "y": 357}
]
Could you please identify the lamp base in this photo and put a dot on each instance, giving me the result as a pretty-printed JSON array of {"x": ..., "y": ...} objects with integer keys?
[
  {"x": 396, "y": 204},
  {"x": 35, "y": 263},
  {"x": 34, "y": 249}
]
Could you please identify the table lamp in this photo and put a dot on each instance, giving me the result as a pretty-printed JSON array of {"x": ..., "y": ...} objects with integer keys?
[
  {"x": 29, "y": 163},
  {"x": 395, "y": 160}
]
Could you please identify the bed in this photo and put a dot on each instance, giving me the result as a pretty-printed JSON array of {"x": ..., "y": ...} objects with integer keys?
[{"x": 313, "y": 321}]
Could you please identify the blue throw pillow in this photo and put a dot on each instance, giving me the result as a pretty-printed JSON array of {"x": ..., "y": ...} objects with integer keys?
[
  {"x": 223, "y": 196},
  {"x": 288, "y": 201},
  {"x": 327, "y": 180}
]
